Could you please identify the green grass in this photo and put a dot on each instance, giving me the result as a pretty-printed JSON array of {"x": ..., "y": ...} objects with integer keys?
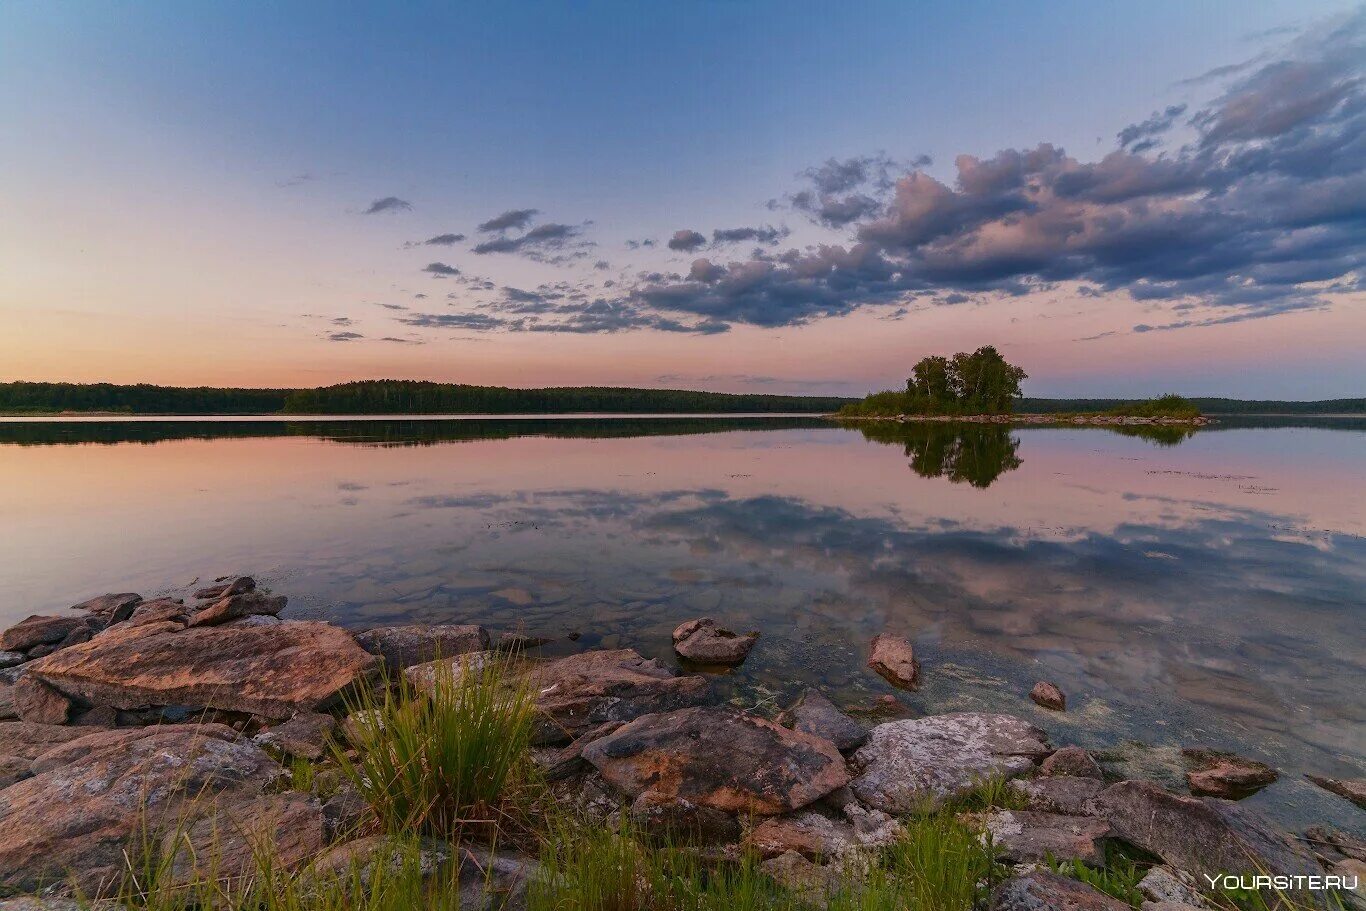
[
  {"x": 446, "y": 762},
  {"x": 1119, "y": 877},
  {"x": 989, "y": 793},
  {"x": 1166, "y": 406}
]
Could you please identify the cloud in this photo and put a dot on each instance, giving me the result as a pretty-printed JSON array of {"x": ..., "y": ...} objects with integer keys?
[
  {"x": 1140, "y": 137},
  {"x": 542, "y": 243},
  {"x": 841, "y": 192},
  {"x": 388, "y": 204},
  {"x": 440, "y": 240},
  {"x": 687, "y": 241},
  {"x": 441, "y": 270},
  {"x": 343, "y": 336},
  {"x": 509, "y": 220},
  {"x": 767, "y": 234},
  {"x": 402, "y": 341}
]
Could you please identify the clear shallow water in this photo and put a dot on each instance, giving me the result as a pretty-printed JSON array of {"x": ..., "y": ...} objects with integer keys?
[{"x": 1204, "y": 588}]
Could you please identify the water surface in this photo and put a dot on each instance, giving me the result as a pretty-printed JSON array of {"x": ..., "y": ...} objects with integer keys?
[{"x": 1182, "y": 588}]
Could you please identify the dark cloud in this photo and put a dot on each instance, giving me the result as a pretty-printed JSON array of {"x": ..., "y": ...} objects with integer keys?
[
  {"x": 687, "y": 241},
  {"x": 392, "y": 306},
  {"x": 402, "y": 341},
  {"x": 341, "y": 321},
  {"x": 343, "y": 336},
  {"x": 638, "y": 244},
  {"x": 388, "y": 204},
  {"x": 441, "y": 270},
  {"x": 1140, "y": 137},
  {"x": 512, "y": 219},
  {"x": 543, "y": 243},
  {"x": 440, "y": 240},
  {"x": 841, "y": 192},
  {"x": 767, "y": 234}
]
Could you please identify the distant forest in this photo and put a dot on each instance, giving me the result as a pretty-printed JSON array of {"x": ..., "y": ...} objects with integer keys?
[{"x": 410, "y": 397}]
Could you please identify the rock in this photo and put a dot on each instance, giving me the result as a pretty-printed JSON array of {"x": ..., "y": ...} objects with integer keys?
[
  {"x": 271, "y": 671},
  {"x": 162, "y": 610},
  {"x": 39, "y": 703},
  {"x": 255, "y": 620},
  {"x": 719, "y": 757},
  {"x": 872, "y": 828},
  {"x": 810, "y": 834},
  {"x": 556, "y": 764},
  {"x": 41, "y": 651},
  {"x": 235, "y": 607},
  {"x": 1198, "y": 835},
  {"x": 114, "y": 608},
  {"x": 894, "y": 660},
  {"x": 680, "y": 821},
  {"x": 424, "y": 676},
  {"x": 1060, "y": 794},
  {"x": 1354, "y": 789},
  {"x": 38, "y": 630},
  {"x": 29, "y": 740},
  {"x": 305, "y": 735},
  {"x": 1164, "y": 884},
  {"x": 490, "y": 881},
  {"x": 343, "y": 812},
  {"x": 582, "y": 691},
  {"x": 7, "y": 710},
  {"x": 1044, "y": 891},
  {"x": 12, "y": 769},
  {"x": 11, "y": 659},
  {"x": 1352, "y": 873},
  {"x": 1072, "y": 761},
  {"x": 78, "y": 819},
  {"x": 814, "y": 714},
  {"x": 1049, "y": 696},
  {"x": 794, "y": 872},
  {"x": 1218, "y": 774},
  {"x": 1028, "y": 836},
  {"x": 226, "y": 589},
  {"x": 228, "y": 836},
  {"x": 95, "y": 742},
  {"x": 703, "y": 642},
  {"x": 904, "y": 764},
  {"x": 55, "y": 903},
  {"x": 405, "y": 646},
  {"x": 358, "y": 860},
  {"x": 520, "y": 642},
  {"x": 884, "y": 708},
  {"x": 1334, "y": 845}
]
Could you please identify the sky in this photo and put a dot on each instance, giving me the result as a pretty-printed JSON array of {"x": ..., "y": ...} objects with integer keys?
[{"x": 1125, "y": 199}]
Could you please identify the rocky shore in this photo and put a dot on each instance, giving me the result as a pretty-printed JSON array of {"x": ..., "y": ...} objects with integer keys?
[{"x": 193, "y": 715}]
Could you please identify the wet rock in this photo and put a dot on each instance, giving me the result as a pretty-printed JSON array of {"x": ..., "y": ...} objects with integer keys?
[
  {"x": 1048, "y": 696},
  {"x": 79, "y": 818},
  {"x": 114, "y": 608},
  {"x": 1165, "y": 884},
  {"x": 1198, "y": 835},
  {"x": 1219, "y": 774},
  {"x": 810, "y": 834},
  {"x": 894, "y": 660},
  {"x": 39, "y": 703},
  {"x": 884, "y": 708},
  {"x": 228, "y": 835},
  {"x": 226, "y": 589},
  {"x": 814, "y": 714},
  {"x": 39, "y": 630},
  {"x": 305, "y": 735},
  {"x": 29, "y": 740},
  {"x": 11, "y": 659},
  {"x": 719, "y": 757},
  {"x": 702, "y": 641},
  {"x": 1029, "y": 836},
  {"x": 1354, "y": 789},
  {"x": 235, "y": 607},
  {"x": 1044, "y": 891},
  {"x": 582, "y": 691},
  {"x": 906, "y": 763},
  {"x": 680, "y": 821},
  {"x": 1060, "y": 794},
  {"x": 271, "y": 671},
  {"x": 1072, "y": 761},
  {"x": 405, "y": 646}
]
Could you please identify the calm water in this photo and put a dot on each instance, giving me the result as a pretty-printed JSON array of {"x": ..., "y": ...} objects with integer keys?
[{"x": 1204, "y": 588}]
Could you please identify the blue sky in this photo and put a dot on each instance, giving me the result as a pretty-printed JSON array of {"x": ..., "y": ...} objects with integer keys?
[{"x": 182, "y": 169}]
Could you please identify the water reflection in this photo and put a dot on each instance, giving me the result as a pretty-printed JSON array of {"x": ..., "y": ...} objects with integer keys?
[{"x": 976, "y": 454}]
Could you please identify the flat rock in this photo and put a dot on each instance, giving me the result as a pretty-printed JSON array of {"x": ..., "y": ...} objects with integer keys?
[
  {"x": 305, "y": 735},
  {"x": 38, "y": 702},
  {"x": 1029, "y": 836},
  {"x": 114, "y": 607},
  {"x": 1048, "y": 696},
  {"x": 1072, "y": 761},
  {"x": 272, "y": 671},
  {"x": 1218, "y": 774},
  {"x": 228, "y": 835},
  {"x": 719, "y": 757},
  {"x": 237, "y": 606},
  {"x": 904, "y": 764},
  {"x": 703, "y": 641},
  {"x": 810, "y": 834},
  {"x": 815, "y": 714},
  {"x": 1059, "y": 794},
  {"x": 1044, "y": 891},
  {"x": 580, "y": 692},
  {"x": 1354, "y": 789},
  {"x": 893, "y": 657},
  {"x": 29, "y": 740},
  {"x": 78, "y": 819},
  {"x": 95, "y": 742},
  {"x": 39, "y": 630},
  {"x": 405, "y": 646},
  {"x": 1199, "y": 835}
]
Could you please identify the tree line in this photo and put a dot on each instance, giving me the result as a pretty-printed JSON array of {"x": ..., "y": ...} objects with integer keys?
[{"x": 982, "y": 382}]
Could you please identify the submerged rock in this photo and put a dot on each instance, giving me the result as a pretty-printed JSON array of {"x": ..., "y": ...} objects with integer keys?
[
  {"x": 719, "y": 757},
  {"x": 906, "y": 763},
  {"x": 1048, "y": 696},
  {"x": 814, "y": 714},
  {"x": 704, "y": 642},
  {"x": 1219, "y": 774},
  {"x": 272, "y": 671},
  {"x": 405, "y": 646},
  {"x": 894, "y": 660}
]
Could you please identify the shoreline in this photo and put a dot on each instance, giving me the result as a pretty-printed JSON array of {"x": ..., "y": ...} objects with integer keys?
[{"x": 1081, "y": 420}]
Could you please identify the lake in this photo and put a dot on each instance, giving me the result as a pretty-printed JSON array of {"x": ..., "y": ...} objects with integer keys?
[{"x": 1183, "y": 588}]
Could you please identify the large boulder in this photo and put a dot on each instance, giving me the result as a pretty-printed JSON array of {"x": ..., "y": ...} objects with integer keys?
[
  {"x": 719, "y": 757},
  {"x": 1028, "y": 836},
  {"x": 82, "y": 819},
  {"x": 237, "y": 606},
  {"x": 1199, "y": 835},
  {"x": 40, "y": 630},
  {"x": 703, "y": 641},
  {"x": 38, "y": 702},
  {"x": 905, "y": 764},
  {"x": 405, "y": 646},
  {"x": 582, "y": 691},
  {"x": 1044, "y": 891},
  {"x": 273, "y": 671},
  {"x": 1058, "y": 794},
  {"x": 30, "y": 740},
  {"x": 228, "y": 835},
  {"x": 815, "y": 714}
]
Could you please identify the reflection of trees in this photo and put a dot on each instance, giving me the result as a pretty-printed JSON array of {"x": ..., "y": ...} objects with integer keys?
[
  {"x": 977, "y": 454},
  {"x": 1162, "y": 435}
]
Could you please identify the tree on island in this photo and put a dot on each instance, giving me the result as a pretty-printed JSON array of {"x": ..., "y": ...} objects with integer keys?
[{"x": 979, "y": 383}]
